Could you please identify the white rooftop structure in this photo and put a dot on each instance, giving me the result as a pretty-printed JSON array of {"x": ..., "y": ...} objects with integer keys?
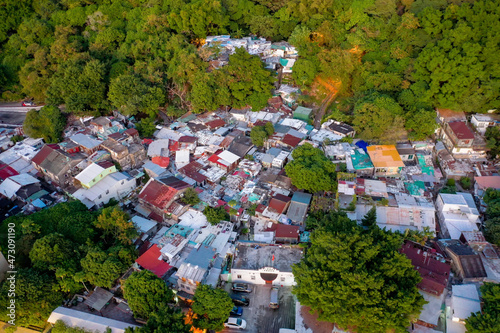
[
  {"x": 457, "y": 213},
  {"x": 339, "y": 151},
  {"x": 75, "y": 318},
  {"x": 322, "y": 135},
  {"x": 166, "y": 133},
  {"x": 213, "y": 174},
  {"x": 181, "y": 158},
  {"x": 19, "y": 159},
  {"x": 229, "y": 157},
  {"x": 144, "y": 225},
  {"x": 86, "y": 141},
  {"x": 89, "y": 173},
  {"x": 401, "y": 218},
  {"x": 193, "y": 219},
  {"x": 464, "y": 301},
  {"x": 294, "y": 123},
  {"x": 265, "y": 116},
  {"x": 11, "y": 185},
  {"x": 115, "y": 185},
  {"x": 158, "y": 148}
]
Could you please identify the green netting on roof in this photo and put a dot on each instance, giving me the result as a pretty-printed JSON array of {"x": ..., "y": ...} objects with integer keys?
[
  {"x": 253, "y": 197},
  {"x": 428, "y": 170},
  {"x": 421, "y": 160},
  {"x": 200, "y": 206},
  {"x": 361, "y": 161},
  {"x": 415, "y": 188}
]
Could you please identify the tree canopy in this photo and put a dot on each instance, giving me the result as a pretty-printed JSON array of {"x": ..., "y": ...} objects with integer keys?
[
  {"x": 356, "y": 278},
  {"x": 216, "y": 215},
  {"x": 146, "y": 293},
  {"x": 488, "y": 320},
  {"x": 164, "y": 320},
  {"x": 47, "y": 123},
  {"x": 190, "y": 197},
  {"x": 311, "y": 170},
  {"x": 212, "y": 307}
]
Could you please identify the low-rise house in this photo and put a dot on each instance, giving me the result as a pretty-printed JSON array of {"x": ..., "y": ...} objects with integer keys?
[
  {"x": 386, "y": 160},
  {"x": 20, "y": 186},
  {"x": 339, "y": 128},
  {"x": 482, "y": 121},
  {"x": 145, "y": 227},
  {"x": 113, "y": 186},
  {"x": 288, "y": 94},
  {"x": 78, "y": 319},
  {"x": 457, "y": 213},
  {"x": 406, "y": 151},
  {"x": 100, "y": 125},
  {"x": 181, "y": 158},
  {"x": 265, "y": 265},
  {"x": 465, "y": 263},
  {"x": 284, "y": 233},
  {"x": 152, "y": 261},
  {"x": 359, "y": 162},
  {"x": 224, "y": 160},
  {"x": 290, "y": 141},
  {"x": 87, "y": 143},
  {"x": 95, "y": 172},
  {"x": 434, "y": 270},
  {"x": 464, "y": 302},
  {"x": 56, "y": 165},
  {"x": 195, "y": 269},
  {"x": 298, "y": 207},
  {"x": 158, "y": 196},
  {"x": 447, "y": 115},
  {"x": 481, "y": 184},
  {"x": 191, "y": 170},
  {"x": 457, "y": 137},
  {"x": 129, "y": 157},
  {"x": 239, "y": 114},
  {"x": 401, "y": 218},
  {"x": 188, "y": 142},
  {"x": 240, "y": 146},
  {"x": 302, "y": 113}
]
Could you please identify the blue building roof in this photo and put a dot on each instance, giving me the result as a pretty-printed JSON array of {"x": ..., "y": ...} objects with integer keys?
[
  {"x": 201, "y": 257},
  {"x": 362, "y": 144},
  {"x": 302, "y": 197}
]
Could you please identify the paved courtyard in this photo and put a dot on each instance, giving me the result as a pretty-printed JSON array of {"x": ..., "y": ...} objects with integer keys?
[{"x": 262, "y": 319}]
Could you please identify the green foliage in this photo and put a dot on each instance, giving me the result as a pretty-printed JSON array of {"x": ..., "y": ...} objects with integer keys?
[
  {"x": 492, "y": 136},
  {"x": 61, "y": 327},
  {"x": 269, "y": 128},
  {"x": 417, "y": 236},
  {"x": 311, "y": 170},
  {"x": 190, "y": 197},
  {"x": 251, "y": 209},
  {"x": 450, "y": 182},
  {"x": 17, "y": 138},
  {"x": 216, "y": 215},
  {"x": 116, "y": 226},
  {"x": 492, "y": 221},
  {"x": 47, "y": 123},
  {"x": 357, "y": 278},
  {"x": 164, "y": 320},
  {"x": 378, "y": 117},
  {"x": 352, "y": 205},
  {"x": 37, "y": 295},
  {"x": 488, "y": 320},
  {"x": 146, "y": 293},
  {"x": 102, "y": 268},
  {"x": 52, "y": 252},
  {"x": 466, "y": 183},
  {"x": 258, "y": 135},
  {"x": 370, "y": 219},
  {"x": 146, "y": 127},
  {"x": 245, "y": 231},
  {"x": 212, "y": 307}
]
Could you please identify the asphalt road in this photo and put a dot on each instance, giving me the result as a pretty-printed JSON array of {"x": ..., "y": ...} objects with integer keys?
[{"x": 14, "y": 113}]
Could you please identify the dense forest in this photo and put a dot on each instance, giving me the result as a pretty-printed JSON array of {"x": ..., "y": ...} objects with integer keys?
[{"x": 387, "y": 59}]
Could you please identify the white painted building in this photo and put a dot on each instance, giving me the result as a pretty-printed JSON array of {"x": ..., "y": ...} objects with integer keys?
[
  {"x": 457, "y": 213},
  {"x": 482, "y": 121},
  {"x": 114, "y": 186},
  {"x": 265, "y": 265}
]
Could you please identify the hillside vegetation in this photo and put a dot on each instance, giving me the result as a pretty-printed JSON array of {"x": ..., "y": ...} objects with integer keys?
[{"x": 389, "y": 58}]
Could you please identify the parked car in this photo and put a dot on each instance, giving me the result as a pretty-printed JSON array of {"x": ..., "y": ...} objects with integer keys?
[
  {"x": 237, "y": 323},
  {"x": 28, "y": 103},
  {"x": 236, "y": 311},
  {"x": 274, "y": 302},
  {"x": 240, "y": 300},
  {"x": 242, "y": 287}
]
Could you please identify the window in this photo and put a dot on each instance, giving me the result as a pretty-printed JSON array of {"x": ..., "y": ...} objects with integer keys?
[
  {"x": 239, "y": 276},
  {"x": 410, "y": 157},
  {"x": 253, "y": 277},
  {"x": 282, "y": 279}
]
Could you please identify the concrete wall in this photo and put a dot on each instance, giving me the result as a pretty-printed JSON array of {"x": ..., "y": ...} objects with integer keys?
[{"x": 253, "y": 277}]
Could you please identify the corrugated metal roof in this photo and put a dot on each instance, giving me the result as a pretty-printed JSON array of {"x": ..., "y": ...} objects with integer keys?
[
  {"x": 90, "y": 173},
  {"x": 385, "y": 156}
]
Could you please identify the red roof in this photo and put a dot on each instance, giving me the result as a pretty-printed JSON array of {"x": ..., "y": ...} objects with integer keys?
[
  {"x": 115, "y": 136},
  {"x": 131, "y": 132},
  {"x": 488, "y": 181},
  {"x": 214, "y": 124},
  {"x": 278, "y": 205},
  {"x": 261, "y": 122},
  {"x": 188, "y": 139},
  {"x": 434, "y": 272},
  {"x": 285, "y": 230},
  {"x": 173, "y": 145},
  {"x": 291, "y": 140},
  {"x": 461, "y": 130},
  {"x": 42, "y": 154},
  {"x": 191, "y": 170},
  {"x": 151, "y": 261},
  {"x": 147, "y": 141},
  {"x": 158, "y": 194},
  {"x": 6, "y": 171},
  {"x": 260, "y": 208},
  {"x": 161, "y": 161},
  {"x": 105, "y": 164}
]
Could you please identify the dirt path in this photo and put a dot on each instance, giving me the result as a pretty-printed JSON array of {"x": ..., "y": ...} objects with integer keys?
[{"x": 333, "y": 88}]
